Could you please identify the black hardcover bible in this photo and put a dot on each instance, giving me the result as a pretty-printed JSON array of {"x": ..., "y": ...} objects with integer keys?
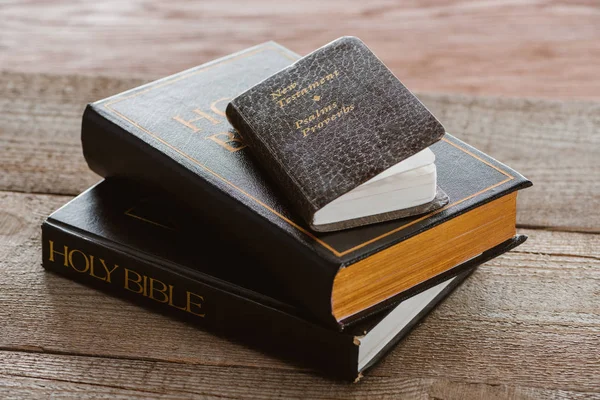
[
  {"x": 328, "y": 124},
  {"x": 136, "y": 245},
  {"x": 173, "y": 134}
]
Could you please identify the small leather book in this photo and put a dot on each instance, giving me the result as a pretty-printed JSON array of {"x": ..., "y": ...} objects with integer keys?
[{"x": 343, "y": 138}]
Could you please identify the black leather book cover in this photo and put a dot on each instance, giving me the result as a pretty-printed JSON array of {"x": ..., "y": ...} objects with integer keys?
[
  {"x": 330, "y": 122},
  {"x": 134, "y": 244},
  {"x": 173, "y": 134}
]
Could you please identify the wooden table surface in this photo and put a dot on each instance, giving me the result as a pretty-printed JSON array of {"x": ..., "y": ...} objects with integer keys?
[
  {"x": 525, "y": 325},
  {"x": 520, "y": 48}
]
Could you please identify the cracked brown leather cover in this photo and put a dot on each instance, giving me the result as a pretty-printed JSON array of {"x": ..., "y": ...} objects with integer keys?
[
  {"x": 172, "y": 134},
  {"x": 127, "y": 226},
  {"x": 330, "y": 122}
]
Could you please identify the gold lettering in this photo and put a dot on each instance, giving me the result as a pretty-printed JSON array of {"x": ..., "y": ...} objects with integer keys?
[
  {"x": 109, "y": 272},
  {"x": 322, "y": 117},
  {"x": 280, "y": 92},
  {"x": 213, "y": 107},
  {"x": 52, "y": 252},
  {"x": 145, "y": 286},
  {"x": 72, "y": 264},
  {"x": 202, "y": 115},
  {"x": 183, "y": 308},
  {"x": 92, "y": 269},
  {"x": 136, "y": 281},
  {"x": 228, "y": 141},
  {"x": 276, "y": 94},
  {"x": 163, "y": 291},
  {"x": 312, "y": 86},
  {"x": 189, "y": 303},
  {"x": 106, "y": 277}
]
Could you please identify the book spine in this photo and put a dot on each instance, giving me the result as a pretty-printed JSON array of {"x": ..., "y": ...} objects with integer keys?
[
  {"x": 276, "y": 170},
  {"x": 165, "y": 289},
  {"x": 111, "y": 151}
]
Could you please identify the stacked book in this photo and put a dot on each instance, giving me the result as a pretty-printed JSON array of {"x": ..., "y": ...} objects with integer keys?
[{"x": 310, "y": 207}]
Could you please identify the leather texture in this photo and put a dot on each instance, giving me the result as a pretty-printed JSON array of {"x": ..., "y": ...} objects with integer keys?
[
  {"x": 330, "y": 122},
  {"x": 134, "y": 136},
  {"x": 130, "y": 226}
]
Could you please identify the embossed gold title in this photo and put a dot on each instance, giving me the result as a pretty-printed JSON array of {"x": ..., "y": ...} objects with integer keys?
[
  {"x": 321, "y": 117},
  {"x": 111, "y": 273},
  {"x": 279, "y": 96}
]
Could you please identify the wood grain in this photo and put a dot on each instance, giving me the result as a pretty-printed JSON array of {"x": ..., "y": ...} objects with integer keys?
[
  {"x": 555, "y": 144},
  {"x": 43, "y": 375},
  {"x": 540, "y": 48},
  {"x": 40, "y": 123},
  {"x": 537, "y": 308}
]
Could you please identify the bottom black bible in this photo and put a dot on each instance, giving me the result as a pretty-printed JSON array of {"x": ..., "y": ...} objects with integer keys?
[{"x": 128, "y": 241}]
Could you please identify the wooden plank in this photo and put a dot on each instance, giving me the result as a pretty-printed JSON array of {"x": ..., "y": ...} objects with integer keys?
[
  {"x": 527, "y": 321},
  {"x": 47, "y": 375},
  {"x": 535, "y": 48},
  {"x": 13, "y": 386},
  {"x": 553, "y": 143},
  {"x": 40, "y": 124}
]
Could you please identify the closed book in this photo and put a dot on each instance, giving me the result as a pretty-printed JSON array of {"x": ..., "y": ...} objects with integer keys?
[
  {"x": 173, "y": 134},
  {"x": 136, "y": 245},
  {"x": 329, "y": 123}
]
